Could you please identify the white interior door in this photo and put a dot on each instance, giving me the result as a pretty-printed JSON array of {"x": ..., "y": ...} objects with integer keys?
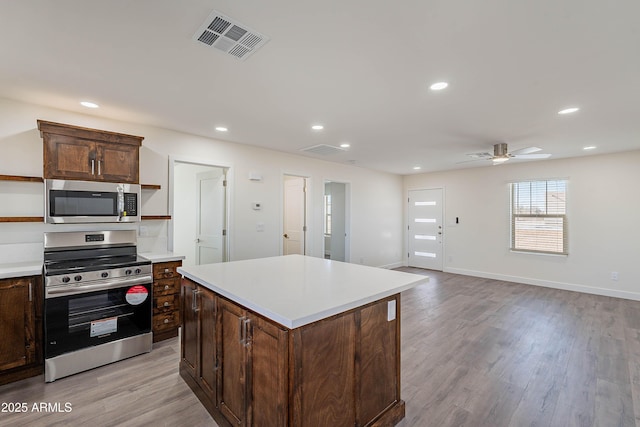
[
  {"x": 210, "y": 217},
  {"x": 294, "y": 226},
  {"x": 425, "y": 229}
]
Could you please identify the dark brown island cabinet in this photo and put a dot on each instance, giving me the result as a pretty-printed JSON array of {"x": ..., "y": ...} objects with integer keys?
[
  {"x": 248, "y": 370},
  {"x": 20, "y": 328}
]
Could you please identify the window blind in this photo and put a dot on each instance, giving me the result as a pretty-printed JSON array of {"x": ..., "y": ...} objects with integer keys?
[{"x": 539, "y": 217}]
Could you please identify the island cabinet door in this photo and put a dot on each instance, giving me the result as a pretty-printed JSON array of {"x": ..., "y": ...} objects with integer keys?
[
  {"x": 233, "y": 353},
  {"x": 207, "y": 306},
  {"x": 190, "y": 336}
]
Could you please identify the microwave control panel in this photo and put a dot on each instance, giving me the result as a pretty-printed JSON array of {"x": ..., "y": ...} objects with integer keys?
[{"x": 131, "y": 204}]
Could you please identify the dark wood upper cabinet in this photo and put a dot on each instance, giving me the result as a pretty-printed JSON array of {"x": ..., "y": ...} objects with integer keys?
[{"x": 72, "y": 152}]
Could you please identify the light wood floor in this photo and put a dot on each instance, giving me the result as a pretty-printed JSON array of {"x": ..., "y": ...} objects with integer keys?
[{"x": 475, "y": 352}]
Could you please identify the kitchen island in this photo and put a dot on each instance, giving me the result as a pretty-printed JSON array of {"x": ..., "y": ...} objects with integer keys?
[{"x": 294, "y": 341}]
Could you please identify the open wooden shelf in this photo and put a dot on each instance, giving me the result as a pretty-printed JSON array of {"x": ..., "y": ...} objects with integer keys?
[
  {"x": 150, "y": 186},
  {"x": 41, "y": 219},
  {"x": 21, "y": 178},
  {"x": 21, "y": 219}
]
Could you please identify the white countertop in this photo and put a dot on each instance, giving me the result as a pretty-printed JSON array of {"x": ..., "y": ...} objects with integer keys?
[
  {"x": 20, "y": 269},
  {"x": 161, "y": 256},
  {"x": 296, "y": 290}
]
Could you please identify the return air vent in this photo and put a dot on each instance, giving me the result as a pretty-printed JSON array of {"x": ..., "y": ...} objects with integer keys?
[
  {"x": 323, "y": 149},
  {"x": 229, "y": 36}
]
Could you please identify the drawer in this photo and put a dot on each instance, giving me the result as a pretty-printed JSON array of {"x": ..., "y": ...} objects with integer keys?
[
  {"x": 166, "y": 321},
  {"x": 166, "y": 287},
  {"x": 166, "y": 303},
  {"x": 166, "y": 270}
]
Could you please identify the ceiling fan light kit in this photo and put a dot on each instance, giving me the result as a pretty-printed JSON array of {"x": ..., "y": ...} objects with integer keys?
[{"x": 501, "y": 154}]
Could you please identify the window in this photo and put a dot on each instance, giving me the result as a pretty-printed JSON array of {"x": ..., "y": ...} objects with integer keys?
[
  {"x": 327, "y": 214},
  {"x": 539, "y": 217}
]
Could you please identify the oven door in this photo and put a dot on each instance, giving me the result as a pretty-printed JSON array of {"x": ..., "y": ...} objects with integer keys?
[{"x": 89, "y": 319}]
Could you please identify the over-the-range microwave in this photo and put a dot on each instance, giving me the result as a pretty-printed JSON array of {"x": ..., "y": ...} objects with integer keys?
[{"x": 69, "y": 202}]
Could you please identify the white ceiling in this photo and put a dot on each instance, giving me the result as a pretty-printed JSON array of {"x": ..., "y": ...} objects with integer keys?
[{"x": 362, "y": 68}]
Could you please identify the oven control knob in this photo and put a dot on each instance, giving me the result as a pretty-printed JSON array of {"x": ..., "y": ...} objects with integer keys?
[
  {"x": 77, "y": 278},
  {"x": 104, "y": 274},
  {"x": 66, "y": 279},
  {"x": 138, "y": 271},
  {"x": 127, "y": 272}
]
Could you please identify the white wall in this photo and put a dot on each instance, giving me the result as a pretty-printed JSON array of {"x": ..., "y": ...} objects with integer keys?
[
  {"x": 603, "y": 208},
  {"x": 377, "y": 212}
]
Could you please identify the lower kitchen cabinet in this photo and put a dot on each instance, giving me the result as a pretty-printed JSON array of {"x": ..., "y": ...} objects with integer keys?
[
  {"x": 232, "y": 359},
  {"x": 166, "y": 300},
  {"x": 20, "y": 328}
]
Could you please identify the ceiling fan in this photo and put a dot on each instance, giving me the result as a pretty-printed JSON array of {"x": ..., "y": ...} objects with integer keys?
[{"x": 501, "y": 154}]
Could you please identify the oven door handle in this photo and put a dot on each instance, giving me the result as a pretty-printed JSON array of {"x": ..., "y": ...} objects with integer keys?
[{"x": 64, "y": 291}]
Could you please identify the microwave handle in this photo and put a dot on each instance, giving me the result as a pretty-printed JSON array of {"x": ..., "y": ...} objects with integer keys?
[{"x": 120, "y": 200}]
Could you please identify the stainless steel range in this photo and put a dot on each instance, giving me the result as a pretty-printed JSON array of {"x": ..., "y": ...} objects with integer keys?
[{"x": 98, "y": 300}]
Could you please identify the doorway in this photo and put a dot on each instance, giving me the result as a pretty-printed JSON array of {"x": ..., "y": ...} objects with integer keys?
[
  {"x": 294, "y": 215},
  {"x": 336, "y": 224},
  {"x": 425, "y": 229},
  {"x": 199, "y": 216}
]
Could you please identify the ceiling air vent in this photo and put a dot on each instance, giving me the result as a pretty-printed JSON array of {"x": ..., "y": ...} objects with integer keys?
[
  {"x": 323, "y": 149},
  {"x": 229, "y": 36}
]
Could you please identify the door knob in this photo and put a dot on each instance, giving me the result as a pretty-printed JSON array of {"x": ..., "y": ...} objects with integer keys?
[
  {"x": 285, "y": 235},
  {"x": 197, "y": 240}
]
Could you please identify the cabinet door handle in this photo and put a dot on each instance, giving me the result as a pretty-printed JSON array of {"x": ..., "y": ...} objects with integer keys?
[
  {"x": 194, "y": 302},
  {"x": 99, "y": 164},
  {"x": 166, "y": 320},
  {"x": 30, "y": 292},
  {"x": 246, "y": 331},
  {"x": 166, "y": 304},
  {"x": 93, "y": 167},
  {"x": 166, "y": 287},
  {"x": 241, "y": 329}
]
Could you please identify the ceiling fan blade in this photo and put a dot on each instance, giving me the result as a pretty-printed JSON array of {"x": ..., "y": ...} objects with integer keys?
[
  {"x": 467, "y": 161},
  {"x": 527, "y": 150},
  {"x": 532, "y": 156}
]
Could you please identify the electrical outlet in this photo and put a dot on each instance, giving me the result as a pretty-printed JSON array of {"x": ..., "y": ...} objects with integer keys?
[{"x": 614, "y": 275}]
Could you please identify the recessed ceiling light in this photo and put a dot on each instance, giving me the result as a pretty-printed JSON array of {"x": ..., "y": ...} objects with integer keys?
[
  {"x": 221, "y": 129},
  {"x": 568, "y": 110},
  {"x": 89, "y": 104},
  {"x": 439, "y": 86},
  {"x": 417, "y": 168},
  {"x": 317, "y": 127},
  {"x": 589, "y": 147},
  {"x": 345, "y": 145}
]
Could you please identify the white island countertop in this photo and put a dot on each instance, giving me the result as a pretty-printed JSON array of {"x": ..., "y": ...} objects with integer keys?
[{"x": 296, "y": 290}]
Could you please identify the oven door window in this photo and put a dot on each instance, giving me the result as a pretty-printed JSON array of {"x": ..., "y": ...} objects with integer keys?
[
  {"x": 83, "y": 203},
  {"x": 94, "y": 318}
]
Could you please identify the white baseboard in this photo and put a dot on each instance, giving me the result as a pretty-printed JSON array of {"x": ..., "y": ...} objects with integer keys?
[
  {"x": 547, "y": 284},
  {"x": 393, "y": 265}
]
